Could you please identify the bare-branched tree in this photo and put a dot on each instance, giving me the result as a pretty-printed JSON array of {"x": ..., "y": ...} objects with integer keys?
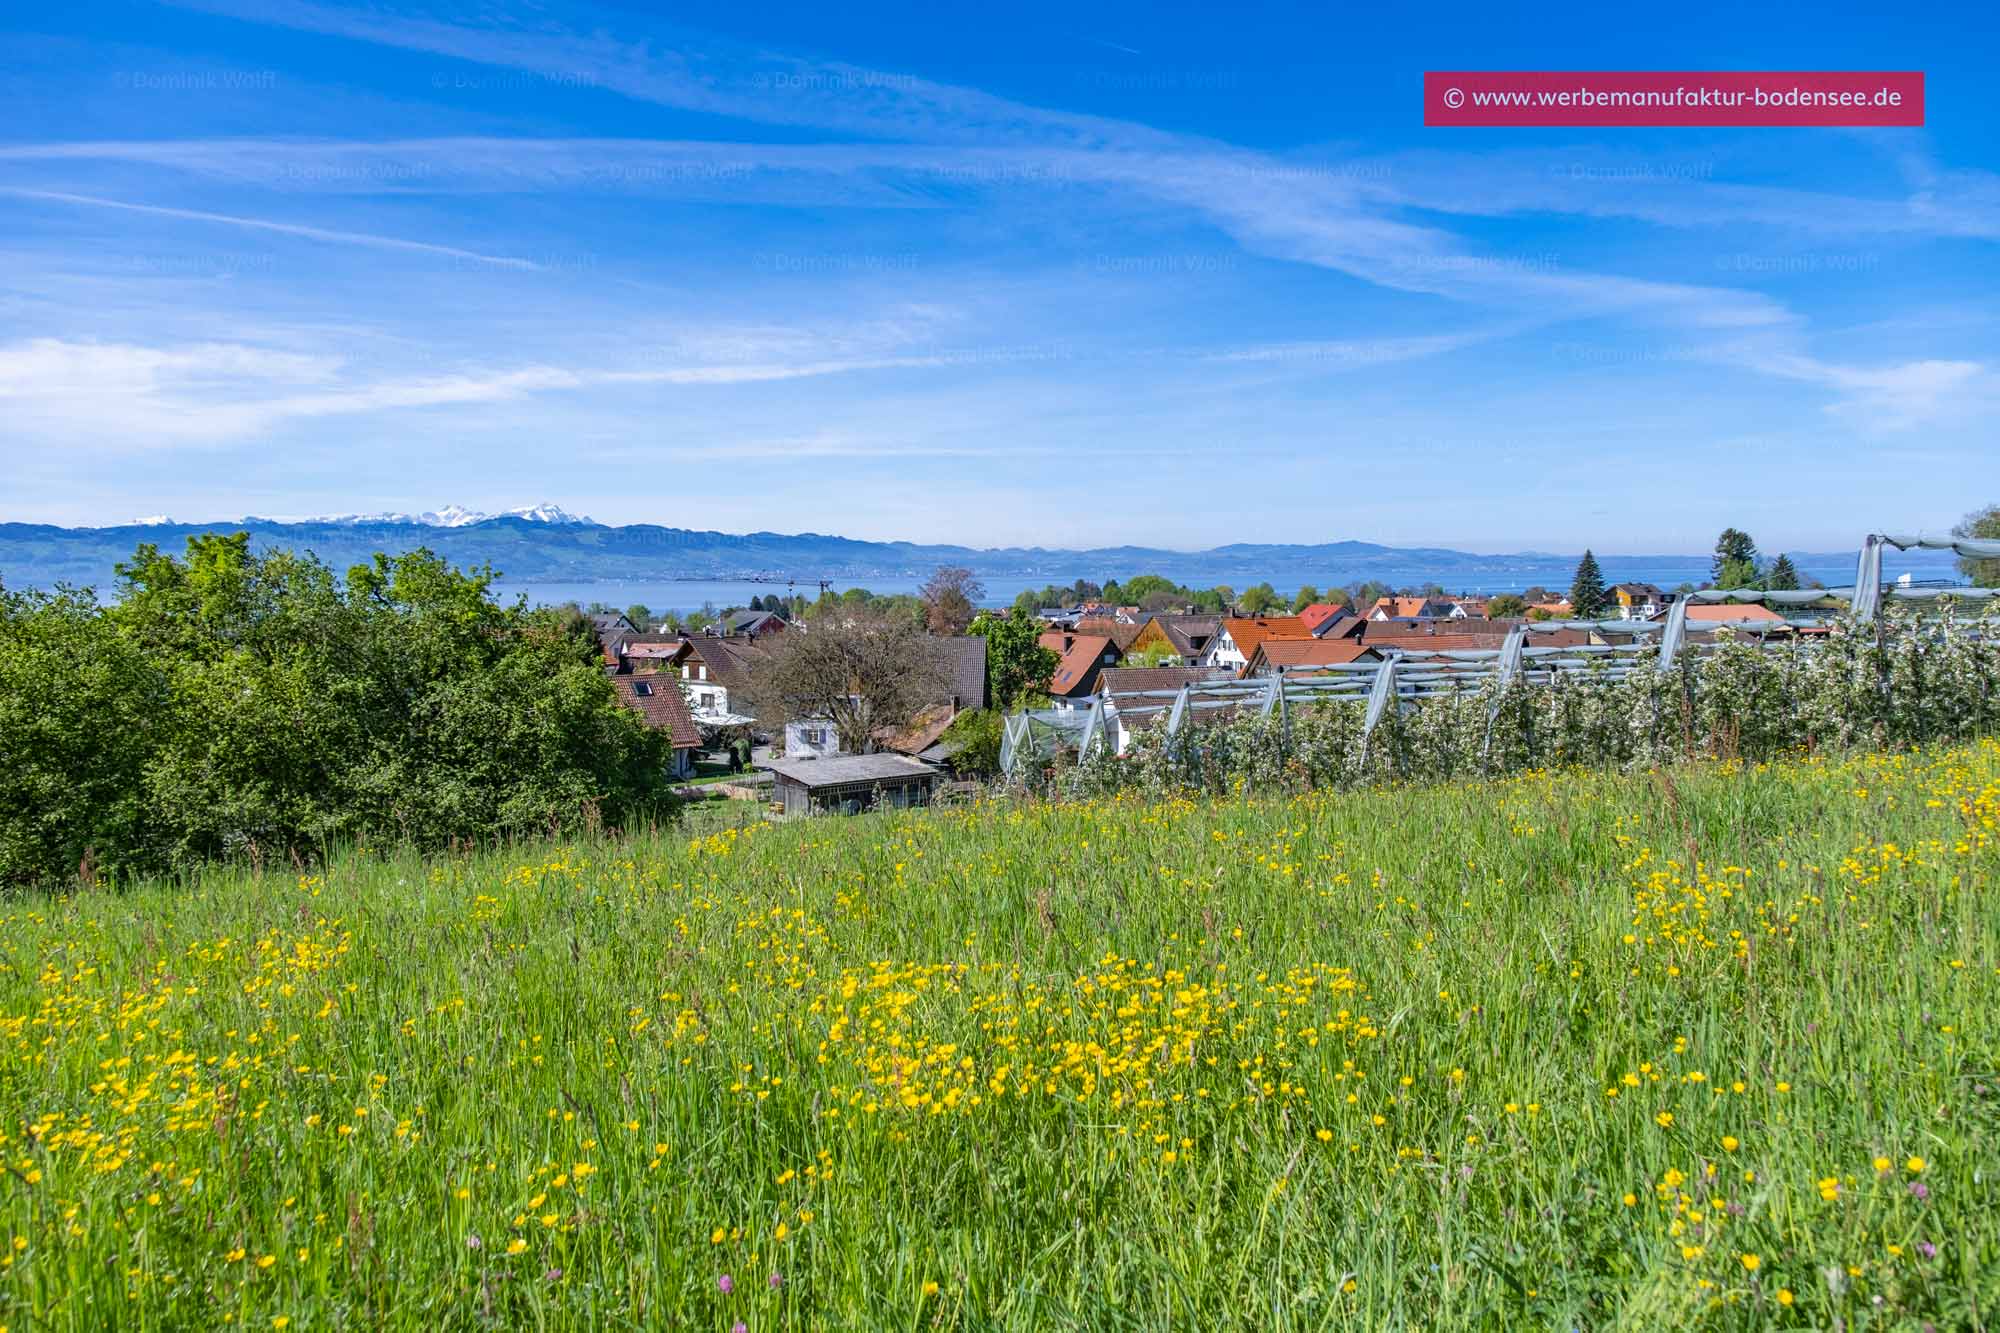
[
  {"x": 862, "y": 672},
  {"x": 951, "y": 599}
]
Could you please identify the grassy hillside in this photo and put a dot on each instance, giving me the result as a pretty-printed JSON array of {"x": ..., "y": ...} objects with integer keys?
[{"x": 1714, "y": 1048}]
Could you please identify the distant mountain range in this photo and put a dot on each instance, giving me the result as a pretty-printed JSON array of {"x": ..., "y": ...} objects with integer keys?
[
  {"x": 451, "y": 516},
  {"x": 545, "y": 544}
]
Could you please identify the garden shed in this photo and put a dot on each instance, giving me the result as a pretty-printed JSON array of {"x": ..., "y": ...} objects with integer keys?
[{"x": 849, "y": 784}]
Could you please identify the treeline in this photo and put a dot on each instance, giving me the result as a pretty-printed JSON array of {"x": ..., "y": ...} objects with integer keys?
[
  {"x": 1152, "y": 592},
  {"x": 649, "y": 621},
  {"x": 795, "y": 607},
  {"x": 241, "y": 704}
]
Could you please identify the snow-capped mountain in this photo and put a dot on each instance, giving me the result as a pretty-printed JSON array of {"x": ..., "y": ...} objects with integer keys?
[
  {"x": 457, "y": 516},
  {"x": 543, "y": 513}
]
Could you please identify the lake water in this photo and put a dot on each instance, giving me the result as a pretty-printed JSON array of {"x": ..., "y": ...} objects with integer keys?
[
  {"x": 681, "y": 596},
  {"x": 1499, "y": 574}
]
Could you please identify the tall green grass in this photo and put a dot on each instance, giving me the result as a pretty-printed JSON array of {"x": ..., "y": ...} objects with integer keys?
[{"x": 1578, "y": 1050}]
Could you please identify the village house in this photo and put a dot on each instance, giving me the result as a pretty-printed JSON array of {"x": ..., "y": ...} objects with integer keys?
[
  {"x": 1639, "y": 601},
  {"x": 1409, "y": 608},
  {"x": 965, "y": 672},
  {"x": 1469, "y": 608},
  {"x": 1239, "y": 636},
  {"x": 1122, "y": 633},
  {"x": 657, "y": 700},
  {"x": 613, "y": 631},
  {"x": 1717, "y": 613},
  {"x": 1323, "y": 616},
  {"x": 1184, "y": 636},
  {"x": 648, "y": 686},
  {"x": 654, "y": 653},
  {"x": 753, "y": 623},
  {"x": 1299, "y": 656},
  {"x": 715, "y": 677},
  {"x": 1122, "y": 720},
  {"x": 1081, "y": 656},
  {"x": 1453, "y": 635}
]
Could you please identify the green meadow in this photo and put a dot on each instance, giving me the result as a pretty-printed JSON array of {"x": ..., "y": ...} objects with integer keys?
[{"x": 1711, "y": 1046}]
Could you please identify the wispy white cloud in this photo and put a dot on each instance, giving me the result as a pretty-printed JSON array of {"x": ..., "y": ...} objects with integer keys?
[
  {"x": 1895, "y": 397},
  {"x": 1352, "y": 353},
  {"x": 701, "y": 72},
  {"x": 1267, "y": 204},
  {"x": 1376, "y": 225},
  {"x": 1680, "y": 190},
  {"x": 124, "y": 396},
  {"x": 1312, "y": 216},
  {"x": 327, "y": 234}
]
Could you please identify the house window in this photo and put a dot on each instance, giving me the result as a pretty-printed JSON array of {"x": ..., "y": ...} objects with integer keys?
[{"x": 642, "y": 688}]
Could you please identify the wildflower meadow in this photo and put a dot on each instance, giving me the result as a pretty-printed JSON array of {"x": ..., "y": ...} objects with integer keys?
[{"x": 1707, "y": 1045}]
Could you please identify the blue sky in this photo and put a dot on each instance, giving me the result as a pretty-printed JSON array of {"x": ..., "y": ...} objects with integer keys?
[{"x": 999, "y": 275}]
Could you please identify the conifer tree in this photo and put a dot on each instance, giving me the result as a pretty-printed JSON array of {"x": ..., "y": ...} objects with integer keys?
[
  {"x": 1586, "y": 592},
  {"x": 1735, "y": 562}
]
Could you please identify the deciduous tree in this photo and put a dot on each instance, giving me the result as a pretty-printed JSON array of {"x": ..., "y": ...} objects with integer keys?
[
  {"x": 1984, "y": 524},
  {"x": 1017, "y": 666},
  {"x": 951, "y": 598},
  {"x": 1259, "y": 599},
  {"x": 862, "y": 671},
  {"x": 235, "y": 702}
]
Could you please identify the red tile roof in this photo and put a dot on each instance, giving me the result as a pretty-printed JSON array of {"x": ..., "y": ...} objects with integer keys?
[
  {"x": 1249, "y": 631},
  {"x": 1077, "y": 672},
  {"x": 923, "y": 731},
  {"x": 1320, "y": 612},
  {"x": 1714, "y": 611},
  {"x": 1400, "y": 608},
  {"x": 729, "y": 661},
  {"x": 1116, "y": 679},
  {"x": 1307, "y": 653},
  {"x": 1118, "y": 631},
  {"x": 657, "y": 699}
]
